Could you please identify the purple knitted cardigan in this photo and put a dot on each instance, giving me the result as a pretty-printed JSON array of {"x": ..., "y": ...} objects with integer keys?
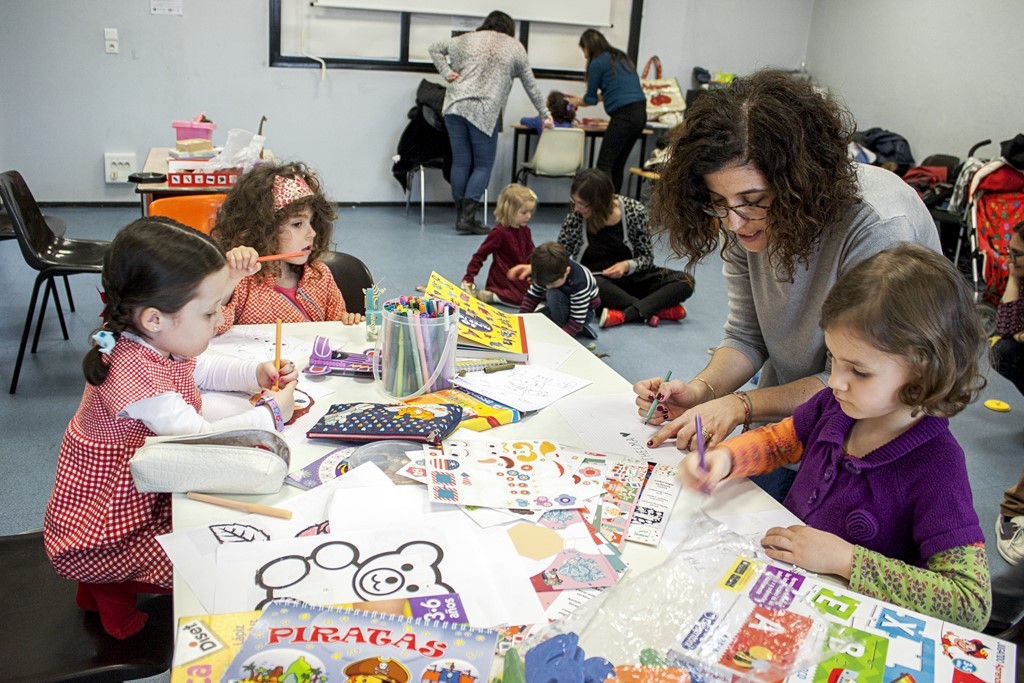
[{"x": 908, "y": 499}]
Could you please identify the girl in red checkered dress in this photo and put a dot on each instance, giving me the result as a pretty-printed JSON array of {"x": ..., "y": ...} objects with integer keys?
[
  {"x": 164, "y": 284},
  {"x": 279, "y": 210}
]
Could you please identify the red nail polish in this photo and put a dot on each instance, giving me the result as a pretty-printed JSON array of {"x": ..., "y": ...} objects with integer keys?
[
  {"x": 650, "y": 397},
  {"x": 660, "y": 397},
  {"x": 650, "y": 444}
]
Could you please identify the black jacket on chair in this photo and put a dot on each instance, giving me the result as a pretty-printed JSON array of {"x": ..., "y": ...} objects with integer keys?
[{"x": 424, "y": 141}]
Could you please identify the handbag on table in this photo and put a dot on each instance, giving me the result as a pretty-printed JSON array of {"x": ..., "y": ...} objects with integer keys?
[
  {"x": 233, "y": 461},
  {"x": 663, "y": 94}
]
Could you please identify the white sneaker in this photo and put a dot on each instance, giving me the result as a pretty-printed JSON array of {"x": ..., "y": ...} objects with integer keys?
[{"x": 1010, "y": 538}]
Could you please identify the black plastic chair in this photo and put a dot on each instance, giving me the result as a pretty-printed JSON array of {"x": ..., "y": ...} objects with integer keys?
[
  {"x": 45, "y": 637},
  {"x": 352, "y": 277},
  {"x": 46, "y": 252}
]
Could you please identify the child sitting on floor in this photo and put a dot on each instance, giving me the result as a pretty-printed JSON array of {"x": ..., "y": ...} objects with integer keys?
[
  {"x": 163, "y": 286},
  {"x": 562, "y": 289},
  {"x": 279, "y": 210},
  {"x": 882, "y": 485},
  {"x": 509, "y": 244}
]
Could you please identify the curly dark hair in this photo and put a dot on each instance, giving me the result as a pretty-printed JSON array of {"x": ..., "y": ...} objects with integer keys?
[
  {"x": 792, "y": 133},
  {"x": 152, "y": 262},
  {"x": 912, "y": 302},
  {"x": 247, "y": 217}
]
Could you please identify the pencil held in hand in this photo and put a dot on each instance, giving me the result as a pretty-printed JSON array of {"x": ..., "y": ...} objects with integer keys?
[
  {"x": 281, "y": 257},
  {"x": 654, "y": 403},
  {"x": 277, "y": 357}
]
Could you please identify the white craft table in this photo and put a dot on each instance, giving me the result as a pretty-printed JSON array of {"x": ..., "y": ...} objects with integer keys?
[{"x": 738, "y": 498}]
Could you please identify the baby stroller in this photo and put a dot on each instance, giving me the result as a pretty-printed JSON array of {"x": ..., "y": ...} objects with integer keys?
[{"x": 989, "y": 195}]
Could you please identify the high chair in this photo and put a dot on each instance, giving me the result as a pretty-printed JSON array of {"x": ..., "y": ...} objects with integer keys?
[
  {"x": 194, "y": 210},
  {"x": 559, "y": 154}
]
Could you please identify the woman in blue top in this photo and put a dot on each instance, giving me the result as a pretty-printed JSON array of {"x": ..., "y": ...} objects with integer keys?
[{"x": 612, "y": 72}]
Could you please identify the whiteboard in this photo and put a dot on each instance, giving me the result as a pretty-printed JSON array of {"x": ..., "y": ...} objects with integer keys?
[
  {"x": 344, "y": 37},
  {"x": 596, "y": 13}
]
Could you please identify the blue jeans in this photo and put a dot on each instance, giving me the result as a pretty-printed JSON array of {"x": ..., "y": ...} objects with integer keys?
[
  {"x": 473, "y": 156},
  {"x": 556, "y": 307}
]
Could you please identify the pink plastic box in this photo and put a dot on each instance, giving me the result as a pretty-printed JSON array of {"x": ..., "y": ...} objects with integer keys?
[{"x": 192, "y": 130}]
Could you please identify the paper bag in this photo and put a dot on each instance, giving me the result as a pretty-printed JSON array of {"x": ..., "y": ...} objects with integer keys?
[{"x": 663, "y": 94}]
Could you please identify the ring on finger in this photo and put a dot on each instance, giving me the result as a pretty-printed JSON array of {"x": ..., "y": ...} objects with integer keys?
[{"x": 706, "y": 433}]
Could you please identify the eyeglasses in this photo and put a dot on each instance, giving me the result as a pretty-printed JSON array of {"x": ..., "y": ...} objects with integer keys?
[
  {"x": 748, "y": 212},
  {"x": 1012, "y": 253}
]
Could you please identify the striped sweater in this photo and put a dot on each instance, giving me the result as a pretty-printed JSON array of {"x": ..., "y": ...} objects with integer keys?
[{"x": 581, "y": 289}]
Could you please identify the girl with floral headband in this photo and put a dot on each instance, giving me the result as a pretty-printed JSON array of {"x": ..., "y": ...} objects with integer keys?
[
  {"x": 277, "y": 210},
  {"x": 163, "y": 286}
]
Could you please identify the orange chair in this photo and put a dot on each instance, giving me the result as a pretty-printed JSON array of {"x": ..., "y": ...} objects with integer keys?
[{"x": 194, "y": 210}]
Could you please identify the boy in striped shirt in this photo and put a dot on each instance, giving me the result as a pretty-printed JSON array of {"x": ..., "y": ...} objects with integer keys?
[{"x": 562, "y": 289}]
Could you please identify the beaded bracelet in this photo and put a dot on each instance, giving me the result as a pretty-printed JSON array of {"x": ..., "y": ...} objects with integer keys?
[
  {"x": 275, "y": 410},
  {"x": 747, "y": 408},
  {"x": 708, "y": 385}
]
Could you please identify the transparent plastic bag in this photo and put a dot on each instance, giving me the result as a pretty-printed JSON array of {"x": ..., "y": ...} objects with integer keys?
[
  {"x": 714, "y": 611},
  {"x": 241, "y": 150}
]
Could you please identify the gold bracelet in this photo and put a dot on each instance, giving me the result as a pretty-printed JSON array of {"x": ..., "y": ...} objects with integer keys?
[
  {"x": 747, "y": 407},
  {"x": 708, "y": 385}
]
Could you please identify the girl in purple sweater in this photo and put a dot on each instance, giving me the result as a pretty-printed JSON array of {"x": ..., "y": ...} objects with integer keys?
[{"x": 882, "y": 486}]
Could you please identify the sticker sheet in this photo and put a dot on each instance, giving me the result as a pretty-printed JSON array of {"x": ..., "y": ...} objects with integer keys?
[
  {"x": 652, "y": 511},
  {"x": 523, "y": 474}
]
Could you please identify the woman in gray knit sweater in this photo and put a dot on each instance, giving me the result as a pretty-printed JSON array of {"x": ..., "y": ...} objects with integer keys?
[{"x": 479, "y": 68}]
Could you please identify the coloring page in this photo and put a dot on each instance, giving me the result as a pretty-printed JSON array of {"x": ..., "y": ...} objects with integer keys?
[
  {"x": 525, "y": 387},
  {"x": 194, "y": 552},
  {"x": 364, "y": 563},
  {"x": 243, "y": 341}
]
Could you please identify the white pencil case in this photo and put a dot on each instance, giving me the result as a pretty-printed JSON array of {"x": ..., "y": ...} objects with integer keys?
[{"x": 235, "y": 461}]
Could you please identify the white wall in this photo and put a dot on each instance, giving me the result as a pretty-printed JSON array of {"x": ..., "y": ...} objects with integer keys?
[
  {"x": 943, "y": 73},
  {"x": 63, "y": 101}
]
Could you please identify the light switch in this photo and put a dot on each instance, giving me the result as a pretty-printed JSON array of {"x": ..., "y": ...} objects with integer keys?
[{"x": 110, "y": 34}]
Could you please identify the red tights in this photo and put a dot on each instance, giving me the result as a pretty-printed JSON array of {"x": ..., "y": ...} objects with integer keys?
[{"x": 116, "y": 604}]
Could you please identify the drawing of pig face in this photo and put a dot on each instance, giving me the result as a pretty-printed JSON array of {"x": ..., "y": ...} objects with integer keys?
[{"x": 411, "y": 569}]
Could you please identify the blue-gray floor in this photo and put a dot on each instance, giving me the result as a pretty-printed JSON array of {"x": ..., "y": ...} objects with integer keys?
[{"x": 401, "y": 254}]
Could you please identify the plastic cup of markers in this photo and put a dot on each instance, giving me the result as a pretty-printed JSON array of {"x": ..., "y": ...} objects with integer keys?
[{"x": 416, "y": 346}]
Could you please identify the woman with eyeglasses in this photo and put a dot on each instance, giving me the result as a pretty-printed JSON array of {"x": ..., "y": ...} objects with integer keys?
[{"x": 760, "y": 172}]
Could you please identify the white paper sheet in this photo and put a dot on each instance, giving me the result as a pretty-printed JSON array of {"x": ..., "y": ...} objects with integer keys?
[
  {"x": 193, "y": 552},
  {"x": 525, "y": 387},
  {"x": 243, "y": 341},
  {"x": 423, "y": 558},
  {"x": 550, "y": 355},
  {"x": 609, "y": 423}
]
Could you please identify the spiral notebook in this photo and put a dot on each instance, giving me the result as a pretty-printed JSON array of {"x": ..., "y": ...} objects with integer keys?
[{"x": 295, "y": 639}]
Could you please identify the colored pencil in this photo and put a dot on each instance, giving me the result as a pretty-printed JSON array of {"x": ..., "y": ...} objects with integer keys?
[
  {"x": 654, "y": 404},
  {"x": 280, "y": 257},
  {"x": 701, "y": 446},
  {"x": 277, "y": 356},
  {"x": 251, "y": 508}
]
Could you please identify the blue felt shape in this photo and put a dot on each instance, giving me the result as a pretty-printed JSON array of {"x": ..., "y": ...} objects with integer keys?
[
  {"x": 597, "y": 669},
  {"x": 556, "y": 660}
]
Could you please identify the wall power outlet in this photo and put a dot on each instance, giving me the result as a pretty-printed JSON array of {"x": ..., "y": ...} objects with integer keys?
[{"x": 117, "y": 166}]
